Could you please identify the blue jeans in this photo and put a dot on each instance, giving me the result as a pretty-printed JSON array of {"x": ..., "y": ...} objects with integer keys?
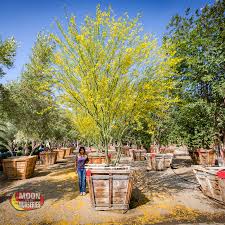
[{"x": 82, "y": 179}]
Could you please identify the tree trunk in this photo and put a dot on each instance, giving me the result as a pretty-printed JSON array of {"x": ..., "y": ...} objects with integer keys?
[
  {"x": 118, "y": 155},
  {"x": 34, "y": 146}
]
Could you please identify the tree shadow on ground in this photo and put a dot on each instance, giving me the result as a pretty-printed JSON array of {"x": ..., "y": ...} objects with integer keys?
[
  {"x": 52, "y": 187},
  {"x": 137, "y": 198},
  {"x": 169, "y": 181}
]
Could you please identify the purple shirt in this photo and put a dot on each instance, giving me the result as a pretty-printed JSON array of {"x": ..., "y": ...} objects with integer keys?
[{"x": 81, "y": 160}]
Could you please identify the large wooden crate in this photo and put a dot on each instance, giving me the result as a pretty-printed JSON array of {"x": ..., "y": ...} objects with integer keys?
[
  {"x": 150, "y": 165},
  {"x": 48, "y": 158},
  {"x": 203, "y": 157},
  {"x": 168, "y": 159},
  {"x": 125, "y": 150},
  {"x": 138, "y": 154},
  {"x": 211, "y": 185},
  {"x": 112, "y": 154},
  {"x": 97, "y": 158},
  {"x": 159, "y": 162},
  {"x": 110, "y": 187},
  {"x": 206, "y": 157},
  {"x": 168, "y": 149},
  {"x": 21, "y": 167},
  {"x": 153, "y": 149},
  {"x": 68, "y": 151},
  {"x": 60, "y": 154}
]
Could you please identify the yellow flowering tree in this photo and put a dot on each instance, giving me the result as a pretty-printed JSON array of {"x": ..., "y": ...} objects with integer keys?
[
  {"x": 82, "y": 122},
  {"x": 109, "y": 72}
]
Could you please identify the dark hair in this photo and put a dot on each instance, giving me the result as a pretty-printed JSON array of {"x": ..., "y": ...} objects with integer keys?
[{"x": 82, "y": 148}]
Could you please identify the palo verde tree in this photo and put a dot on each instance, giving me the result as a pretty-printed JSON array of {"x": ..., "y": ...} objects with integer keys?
[{"x": 105, "y": 69}]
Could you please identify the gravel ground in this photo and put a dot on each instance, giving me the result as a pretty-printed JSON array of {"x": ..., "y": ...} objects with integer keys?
[{"x": 167, "y": 197}]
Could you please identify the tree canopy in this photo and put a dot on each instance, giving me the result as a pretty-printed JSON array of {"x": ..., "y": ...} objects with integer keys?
[
  {"x": 199, "y": 41},
  {"x": 111, "y": 72}
]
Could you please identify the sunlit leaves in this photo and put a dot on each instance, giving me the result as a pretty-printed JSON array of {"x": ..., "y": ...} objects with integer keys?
[
  {"x": 7, "y": 53},
  {"x": 111, "y": 73}
]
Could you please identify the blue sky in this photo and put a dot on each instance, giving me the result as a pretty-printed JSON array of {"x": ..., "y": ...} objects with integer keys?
[{"x": 23, "y": 19}]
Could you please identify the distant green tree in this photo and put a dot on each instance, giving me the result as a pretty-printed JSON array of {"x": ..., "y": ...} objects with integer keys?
[
  {"x": 31, "y": 102},
  {"x": 7, "y": 57},
  {"x": 7, "y": 54},
  {"x": 198, "y": 39}
]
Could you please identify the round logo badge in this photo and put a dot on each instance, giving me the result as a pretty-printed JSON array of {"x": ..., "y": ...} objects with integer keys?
[{"x": 26, "y": 200}]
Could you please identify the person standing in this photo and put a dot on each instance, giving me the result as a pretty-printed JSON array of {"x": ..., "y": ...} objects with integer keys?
[{"x": 80, "y": 162}]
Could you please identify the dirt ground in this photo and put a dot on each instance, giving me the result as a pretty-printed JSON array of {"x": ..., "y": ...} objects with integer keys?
[{"x": 167, "y": 197}]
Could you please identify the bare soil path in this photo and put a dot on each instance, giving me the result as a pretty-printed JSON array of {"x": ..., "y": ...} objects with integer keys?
[{"x": 167, "y": 197}]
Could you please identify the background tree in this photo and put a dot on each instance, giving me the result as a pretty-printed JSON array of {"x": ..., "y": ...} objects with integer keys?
[
  {"x": 7, "y": 54},
  {"x": 198, "y": 39},
  {"x": 31, "y": 104}
]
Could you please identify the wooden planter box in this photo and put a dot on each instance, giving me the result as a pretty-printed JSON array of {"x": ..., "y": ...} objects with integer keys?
[
  {"x": 21, "y": 167},
  {"x": 112, "y": 154},
  {"x": 97, "y": 158},
  {"x": 48, "y": 158},
  {"x": 211, "y": 185},
  {"x": 138, "y": 154},
  {"x": 125, "y": 150},
  {"x": 207, "y": 157},
  {"x": 68, "y": 151},
  {"x": 92, "y": 149},
  {"x": 203, "y": 157},
  {"x": 168, "y": 159},
  {"x": 153, "y": 149},
  {"x": 165, "y": 150},
  {"x": 110, "y": 187},
  {"x": 159, "y": 162},
  {"x": 60, "y": 154}
]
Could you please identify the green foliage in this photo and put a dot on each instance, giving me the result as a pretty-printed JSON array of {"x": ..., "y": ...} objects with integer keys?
[
  {"x": 7, "y": 54},
  {"x": 198, "y": 40},
  {"x": 111, "y": 75},
  {"x": 7, "y": 135},
  {"x": 3, "y": 140},
  {"x": 30, "y": 103},
  {"x": 193, "y": 124}
]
